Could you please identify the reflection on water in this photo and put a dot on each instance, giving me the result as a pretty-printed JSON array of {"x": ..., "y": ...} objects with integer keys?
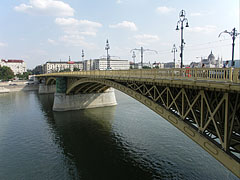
[{"x": 127, "y": 141}]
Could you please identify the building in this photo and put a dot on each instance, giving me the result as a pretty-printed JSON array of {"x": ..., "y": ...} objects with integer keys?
[
  {"x": 88, "y": 65},
  {"x": 38, "y": 69},
  {"x": 101, "y": 64},
  {"x": 17, "y": 66},
  {"x": 57, "y": 66},
  {"x": 211, "y": 62},
  {"x": 171, "y": 65},
  {"x": 195, "y": 65}
]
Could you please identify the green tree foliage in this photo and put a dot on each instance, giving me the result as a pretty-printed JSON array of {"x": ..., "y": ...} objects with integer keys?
[
  {"x": 6, "y": 73},
  {"x": 76, "y": 69},
  {"x": 65, "y": 70},
  {"x": 24, "y": 76},
  {"x": 146, "y": 67}
]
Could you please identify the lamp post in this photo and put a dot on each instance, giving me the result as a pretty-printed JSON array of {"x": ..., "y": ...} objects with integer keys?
[
  {"x": 181, "y": 21},
  {"x": 82, "y": 55},
  {"x": 134, "y": 56},
  {"x": 174, "y": 50},
  {"x": 234, "y": 34},
  {"x": 108, "y": 58}
]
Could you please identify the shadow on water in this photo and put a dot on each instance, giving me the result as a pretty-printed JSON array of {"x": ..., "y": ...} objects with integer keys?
[{"x": 87, "y": 140}]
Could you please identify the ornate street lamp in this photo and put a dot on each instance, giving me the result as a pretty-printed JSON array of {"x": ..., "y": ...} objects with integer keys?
[
  {"x": 108, "y": 57},
  {"x": 82, "y": 55},
  {"x": 181, "y": 21},
  {"x": 174, "y": 50},
  {"x": 234, "y": 34},
  {"x": 134, "y": 56}
]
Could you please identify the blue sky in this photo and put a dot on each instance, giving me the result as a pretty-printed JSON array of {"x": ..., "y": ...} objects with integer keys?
[{"x": 49, "y": 30}]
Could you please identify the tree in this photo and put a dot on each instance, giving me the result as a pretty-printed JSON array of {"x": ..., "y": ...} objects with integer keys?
[
  {"x": 76, "y": 69},
  {"x": 146, "y": 67},
  {"x": 6, "y": 73},
  {"x": 65, "y": 70},
  {"x": 25, "y": 75}
]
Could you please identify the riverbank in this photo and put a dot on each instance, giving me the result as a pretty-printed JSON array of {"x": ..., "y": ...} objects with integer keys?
[{"x": 15, "y": 88}]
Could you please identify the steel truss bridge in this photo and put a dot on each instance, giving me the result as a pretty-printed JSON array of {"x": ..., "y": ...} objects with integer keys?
[{"x": 203, "y": 103}]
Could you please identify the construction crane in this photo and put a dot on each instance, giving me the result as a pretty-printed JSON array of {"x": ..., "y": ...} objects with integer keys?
[{"x": 143, "y": 50}]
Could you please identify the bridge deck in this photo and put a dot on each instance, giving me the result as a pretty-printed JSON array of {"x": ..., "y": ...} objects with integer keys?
[{"x": 210, "y": 78}]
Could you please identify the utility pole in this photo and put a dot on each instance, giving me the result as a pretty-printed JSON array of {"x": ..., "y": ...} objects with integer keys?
[
  {"x": 143, "y": 50},
  {"x": 234, "y": 34},
  {"x": 174, "y": 50},
  {"x": 181, "y": 21},
  {"x": 107, "y": 47}
]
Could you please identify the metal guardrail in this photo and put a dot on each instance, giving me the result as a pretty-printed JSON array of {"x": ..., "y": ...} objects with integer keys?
[{"x": 214, "y": 74}]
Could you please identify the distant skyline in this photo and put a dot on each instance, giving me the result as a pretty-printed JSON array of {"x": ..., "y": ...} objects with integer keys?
[{"x": 51, "y": 30}]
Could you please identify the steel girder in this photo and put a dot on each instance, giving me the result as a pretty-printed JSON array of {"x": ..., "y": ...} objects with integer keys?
[{"x": 210, "y": 118}]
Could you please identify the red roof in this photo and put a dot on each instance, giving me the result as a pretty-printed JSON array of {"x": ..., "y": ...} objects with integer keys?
[
  {"x": 71, "y": 62},
  {"x": 15, "y": 61}
]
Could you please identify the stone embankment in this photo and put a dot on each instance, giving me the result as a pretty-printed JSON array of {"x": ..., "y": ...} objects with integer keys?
[{"x": 6, "y": 87}]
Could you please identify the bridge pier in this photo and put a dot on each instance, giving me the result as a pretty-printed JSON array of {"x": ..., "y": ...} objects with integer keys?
[
  {"x": 65, "y": 102},
  {"x": 46, "y": 89}
]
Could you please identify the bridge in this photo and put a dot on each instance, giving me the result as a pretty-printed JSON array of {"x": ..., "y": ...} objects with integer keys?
[{"x": 203, "y": 103}]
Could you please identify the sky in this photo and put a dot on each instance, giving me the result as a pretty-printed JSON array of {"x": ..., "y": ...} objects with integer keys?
[{"x": 52, "y": 30}]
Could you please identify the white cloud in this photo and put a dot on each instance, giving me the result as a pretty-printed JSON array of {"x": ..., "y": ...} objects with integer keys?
[
  {"x": 146, "y": 39},
  {"x": 204, "y": 29},
  {"x": 119, "y": 1},
  {"x": 76, "y": 40},
  {"x": 51, "y": 41},
  {"x": 196, "y": 14},
  {"x": 165, "y": 10},
  {"x": 46, "y": 7},
  {"x": 78, "y": 27},
  {"x": 3, "y": 44},
  {"x": 75, "y": 31},
  {"x": 125, "y": 25},
  {"x": 75, "y": 22}
]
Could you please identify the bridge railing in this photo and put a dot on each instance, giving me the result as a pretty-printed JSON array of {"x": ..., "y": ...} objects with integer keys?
[{"x": 213, "y": 74}]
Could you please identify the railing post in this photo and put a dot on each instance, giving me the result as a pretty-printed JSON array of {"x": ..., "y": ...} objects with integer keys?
[
  {"x": 235, "y": 75},
  {"x": 230, "y": 74}
]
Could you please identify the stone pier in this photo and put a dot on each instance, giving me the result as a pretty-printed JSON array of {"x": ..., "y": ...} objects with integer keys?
[
  {"x": 46, "y": 89},
  {"x": 63, "y": 102}
]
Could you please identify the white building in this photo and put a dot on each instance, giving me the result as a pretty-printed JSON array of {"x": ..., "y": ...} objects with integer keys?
[
  {"x": 17, "y": 66},
  {"x": 171, "y": 65},
  {"x": 101, "y": 64},
  {"x": 211, "y": 62},
  {"x": 51, "y": 67}
]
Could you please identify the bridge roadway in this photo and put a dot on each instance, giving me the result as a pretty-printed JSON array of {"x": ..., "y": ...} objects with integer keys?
[{"x": 203, "y": 103}]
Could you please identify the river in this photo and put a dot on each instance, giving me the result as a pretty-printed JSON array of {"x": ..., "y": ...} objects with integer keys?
[{"x": 127, "y": 141}]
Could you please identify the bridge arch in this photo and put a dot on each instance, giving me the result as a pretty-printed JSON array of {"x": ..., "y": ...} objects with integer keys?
[
  {"x": 173, "y": 112},
  {"x": 51, "y": 81}
]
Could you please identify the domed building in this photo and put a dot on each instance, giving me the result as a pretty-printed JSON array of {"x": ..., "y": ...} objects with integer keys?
[{"x": 211, "y": 62}]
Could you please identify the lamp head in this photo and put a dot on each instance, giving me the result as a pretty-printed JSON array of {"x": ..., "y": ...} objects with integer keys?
[
  {"x": 187, "y": 24},
  {"x": 182, "y": 15},
  {"x": 177, "y": 28}
]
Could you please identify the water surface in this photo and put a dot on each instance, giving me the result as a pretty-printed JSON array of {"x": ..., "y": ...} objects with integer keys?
[{"x": 127, "y": 141}]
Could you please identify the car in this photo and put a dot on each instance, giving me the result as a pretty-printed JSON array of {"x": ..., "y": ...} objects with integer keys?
[{"x": 12, "y": 84}]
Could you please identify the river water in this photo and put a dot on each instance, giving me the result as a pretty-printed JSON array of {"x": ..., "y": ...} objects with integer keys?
[{"x": 127, "y": 141}]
